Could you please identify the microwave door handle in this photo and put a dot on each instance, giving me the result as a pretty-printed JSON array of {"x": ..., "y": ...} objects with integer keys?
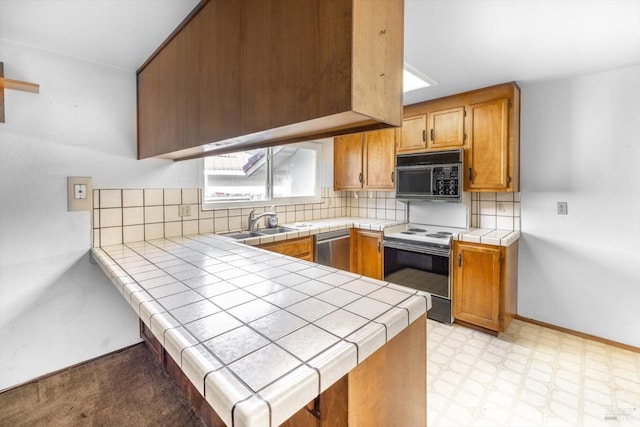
[{"x": 433, "y": 182}]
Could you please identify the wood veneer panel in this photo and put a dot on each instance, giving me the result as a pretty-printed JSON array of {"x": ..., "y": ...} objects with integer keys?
[
  {"x": 476, "y": 284},
  {"x": 219, "y": 70},
  {"x": 378, "y": 44},
  {"x": 301, "y": 247},
  {"x": 347, "y": 160},
  {"x": 378, "y": 166},
  {"x": 333, "y": 405},
  {"x": 227, "y": 75},
  {"x": 366, "y": 258},
  {"x": 489, "y": 141},
  {"x": 390, "y": 387},
  {"x": 510, "y": 295}
]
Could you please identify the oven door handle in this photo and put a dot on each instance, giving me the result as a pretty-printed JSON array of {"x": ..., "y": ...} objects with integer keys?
[{"x": 417, "y": 248}]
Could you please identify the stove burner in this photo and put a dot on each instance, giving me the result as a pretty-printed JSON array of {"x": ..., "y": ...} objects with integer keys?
[
  {"x": 445, "y": 233},
  {"x": 417, "y": 230},
  {"x": 439, "y": 235},
  {"x": 407, "y": 232}
]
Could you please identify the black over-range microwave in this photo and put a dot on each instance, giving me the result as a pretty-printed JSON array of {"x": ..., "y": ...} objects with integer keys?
[{"x": 435, "y": 175}]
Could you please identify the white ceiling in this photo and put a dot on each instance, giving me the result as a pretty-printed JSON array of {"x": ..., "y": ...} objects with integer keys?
[
  {"x": 460, "y": 44},
  {"x": 119, "y": 33}
]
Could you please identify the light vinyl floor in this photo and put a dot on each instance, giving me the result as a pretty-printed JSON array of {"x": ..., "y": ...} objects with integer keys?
[{"x": 528, "y": 376}]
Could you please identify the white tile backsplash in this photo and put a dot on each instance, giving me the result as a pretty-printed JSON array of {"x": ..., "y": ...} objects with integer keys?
[
  {"x": 496, "y": 210},
  {"x": 110, "y": 198},
  {"x": 133, "y": 216},
  {"x": 153, "y": 197},
  {"x": 156, "y": 212},
  {"x": 172, "y": 196},
  {"x": 153, "y": 214}
]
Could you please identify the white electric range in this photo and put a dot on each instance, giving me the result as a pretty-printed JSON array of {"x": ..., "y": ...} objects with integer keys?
[{"x": 418, "y": 254}]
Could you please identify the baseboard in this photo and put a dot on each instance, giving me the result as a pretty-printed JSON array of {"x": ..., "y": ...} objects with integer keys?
[
  {"x": 476, "y": 327},
  {"x": 580, "y": 334},
  {"x": 50, "y": 374}
]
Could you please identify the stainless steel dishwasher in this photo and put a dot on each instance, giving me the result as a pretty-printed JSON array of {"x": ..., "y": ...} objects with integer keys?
[{"x": 333, "y": 249}]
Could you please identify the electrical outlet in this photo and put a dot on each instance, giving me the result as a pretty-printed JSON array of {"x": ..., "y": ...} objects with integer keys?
[
  {"x": 185, "y": 210},
  {"x": 562, "y": 208},
  {"x": 79, "y": 193}
]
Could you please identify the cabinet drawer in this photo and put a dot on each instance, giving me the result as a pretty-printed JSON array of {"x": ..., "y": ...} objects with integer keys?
[{"x": 299, "y": 248}]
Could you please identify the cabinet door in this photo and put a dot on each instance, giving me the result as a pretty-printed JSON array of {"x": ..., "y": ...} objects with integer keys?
[
  {"x": 366, "y": 253},
  {"x": 476, "y": 284},
  {"x": 347, "y": 162},
  {"x": 487, "y": 159},
  {"x": 379, "y": 160},
  {"x": 446, "y": 129},
  {"x": 414, "y": 134}
]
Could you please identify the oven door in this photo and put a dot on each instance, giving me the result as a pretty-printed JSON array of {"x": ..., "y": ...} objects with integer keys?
[{"x": 422, "y": 269}]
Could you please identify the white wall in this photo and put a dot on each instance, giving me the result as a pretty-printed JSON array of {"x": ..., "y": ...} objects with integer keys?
[
  {"x": 581, "y": 144},
  {"x": 57, "y": 309}
]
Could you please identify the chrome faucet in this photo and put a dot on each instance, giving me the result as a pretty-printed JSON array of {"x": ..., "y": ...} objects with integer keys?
[{"x": 254, "y": 219}]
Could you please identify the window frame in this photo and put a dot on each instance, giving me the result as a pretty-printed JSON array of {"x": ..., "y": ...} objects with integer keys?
[{"x": 270, "y": 200}]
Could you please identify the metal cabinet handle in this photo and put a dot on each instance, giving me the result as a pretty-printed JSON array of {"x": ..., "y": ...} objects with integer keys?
[
  {"x": 360, "y": 177},
  {"x": 315, "y": 410},
  {"x": 424, "y": 135},
  {"x": 378, "y": 246},
  {"x": 459, "y": 260},
  {"x": 470, "y": 174},
  {"x": 393, "y": 177},
  {"x": 431, "y": 134}
]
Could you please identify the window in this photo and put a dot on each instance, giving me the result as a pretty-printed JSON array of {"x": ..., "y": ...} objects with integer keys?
[{"x": 283, "y": 174}]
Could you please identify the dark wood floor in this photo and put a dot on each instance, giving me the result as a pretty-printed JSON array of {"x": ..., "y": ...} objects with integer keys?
[{"x": 127, "y": 388}]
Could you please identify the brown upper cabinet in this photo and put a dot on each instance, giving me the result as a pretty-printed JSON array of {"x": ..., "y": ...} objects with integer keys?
[
  {"x": 365, "y": 161},
  {"x": 244, "y": 74},
  {"x": 484, "y": 122},
  {"x": 446, "y": 129},
  {"x": 487, "y": 158},
  {"x": 413, "y": 134}
]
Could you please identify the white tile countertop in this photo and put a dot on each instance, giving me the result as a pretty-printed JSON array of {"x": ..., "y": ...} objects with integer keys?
[
  {"x": 259, "y": 334},
  {"x": 307, "y": 228},
  {"x": 488, "y": 236}
]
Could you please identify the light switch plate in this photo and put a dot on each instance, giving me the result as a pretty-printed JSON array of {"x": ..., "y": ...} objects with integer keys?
[
  {"x": 79, "y": 193},
  {"x": 563, "y": 208}
]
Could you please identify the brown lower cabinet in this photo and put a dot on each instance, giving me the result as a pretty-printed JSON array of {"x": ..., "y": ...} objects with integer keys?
[
  {"x": 301, "y": 247},
  {"x": 366, "y": 253},
  {"x": 386, "y": 389},
  {"x": 484, "y": 285}
]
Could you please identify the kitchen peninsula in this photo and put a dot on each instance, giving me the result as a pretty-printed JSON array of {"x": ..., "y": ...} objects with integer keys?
[{"x": 260, "y": 339}]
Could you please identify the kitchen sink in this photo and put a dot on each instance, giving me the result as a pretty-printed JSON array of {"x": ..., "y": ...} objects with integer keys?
[
  {"x": 244, "y": 235},
  {"x": 276, "y": 230},
  {"x": 261, "y": 233}
]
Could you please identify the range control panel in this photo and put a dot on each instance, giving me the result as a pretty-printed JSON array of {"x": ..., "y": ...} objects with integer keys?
[{"x": 446, "y": 180}]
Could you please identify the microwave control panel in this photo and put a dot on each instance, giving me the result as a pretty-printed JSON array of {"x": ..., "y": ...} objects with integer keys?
[{"x": 446, "y": 181}]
